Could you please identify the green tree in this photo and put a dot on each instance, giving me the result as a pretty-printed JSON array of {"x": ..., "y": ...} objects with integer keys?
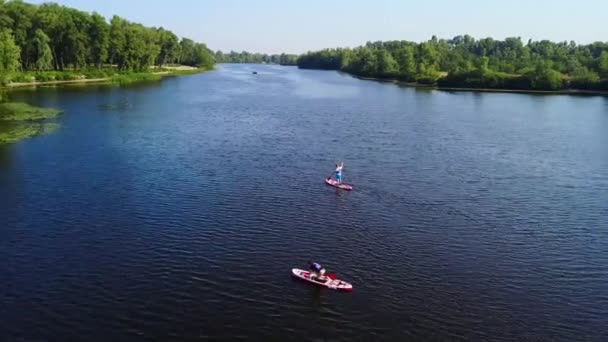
[
  {"x": 482, "y": 65},
  {"x": 76, "y": 39},
  {"x": 428, "y": 59},
  {"x": 584, "y": 74},
  {"x": 140, "y": 50},
  {"x": 152, "y": 48},
  {"x": 187, "y": 52},
  {"x": 545, "y": 78},
  {"x": 198, "y": 55},
  {"x": 47, "y": 19},
  {"x": 169, "y": 47},
  {"x": 365, "y": 62},
  {"x": 428, "y": 56},
  {"x": 22, "y": 15},
  {"x": 118, "y": 42},
  {"x": 465, "y": 62},
  {"x": 219, "y": 56},
  {"x": 386, "y": 65},
  {"x": 603, "y": 63},
  {"x": 9, "y": 56},
  {"x": 584, "y": 78},
  {"x": 346, "y": 58},
  {"x": 406, "y": 61},
  {"x": 43, "y": 57},
  {"x": 99, "y": 37},
  {"x": 204, "y": 58},
  {"x": 6, "y": 22}
]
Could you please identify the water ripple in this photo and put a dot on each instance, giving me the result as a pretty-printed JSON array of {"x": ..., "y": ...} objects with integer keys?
[{"x": 176, "y": 213}]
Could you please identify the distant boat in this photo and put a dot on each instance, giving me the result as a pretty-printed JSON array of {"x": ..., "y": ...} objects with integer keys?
[{"x": 255, "y": 72}]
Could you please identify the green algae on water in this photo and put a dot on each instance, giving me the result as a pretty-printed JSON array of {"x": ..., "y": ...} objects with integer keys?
[
  {"x": 16, "y": 133},
  {"x": 17, "y": 111},
  {"x": 20, "y": 121}
]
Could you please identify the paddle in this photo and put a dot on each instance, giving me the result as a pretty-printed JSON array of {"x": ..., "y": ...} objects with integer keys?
[
  {"x": 331, "y": 174},
  {"x": 331, "y": 276}
]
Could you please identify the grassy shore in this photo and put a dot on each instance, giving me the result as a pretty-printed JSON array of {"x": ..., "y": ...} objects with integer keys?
[{"x": 31, "y": 79}]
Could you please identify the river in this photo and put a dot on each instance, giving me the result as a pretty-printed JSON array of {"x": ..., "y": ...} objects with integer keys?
[{"x": 176, "y": 210}]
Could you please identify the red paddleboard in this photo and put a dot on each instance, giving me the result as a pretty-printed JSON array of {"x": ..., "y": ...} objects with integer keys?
[
  {"x": 334, "y": 284},
  {"x": 334, "y": 182}
]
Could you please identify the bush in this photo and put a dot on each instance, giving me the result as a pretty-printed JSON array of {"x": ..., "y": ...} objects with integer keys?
[
  {"x": 546, "y": 79},
  {"x": 129, "y": 77},
  {"x": 91, "y": 74},
  {"x": 66, "y": 76},
  {"x": 45, "y": 76},
  {"x": 23, "y": 77},
  {"x": 48, "y": 76},
  {"x": 583, "y": 78},
  {"x": 488, "y": 79}
]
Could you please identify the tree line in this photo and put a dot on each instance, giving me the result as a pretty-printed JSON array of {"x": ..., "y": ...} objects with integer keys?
[
  {"x": 248, "y": 57},
  {"x": 55, "y": 37},
  {"x": 464, "y": 61}
]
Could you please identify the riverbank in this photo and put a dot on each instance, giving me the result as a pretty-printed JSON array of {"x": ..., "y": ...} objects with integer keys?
[
  {"x": 42, "y": 83},
  {"x": 485, "y": 90},
  {"x": 20, "y": 121},
  {"x": 59, "y": 78}
]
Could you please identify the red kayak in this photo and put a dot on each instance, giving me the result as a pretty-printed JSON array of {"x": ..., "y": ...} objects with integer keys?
[
  {"x": 330, "y": 282},
  {"x": 334, "y": 182}
]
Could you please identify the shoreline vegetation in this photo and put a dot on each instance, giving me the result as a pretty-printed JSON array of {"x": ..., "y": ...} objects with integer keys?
[
  {"x": 51, "y": 44},
  {"x": 398, "y": 82},
  {"x": 19, "y": 121},
  {"x": 465, "y": 63},
  {"x": 103, "y": 76}
]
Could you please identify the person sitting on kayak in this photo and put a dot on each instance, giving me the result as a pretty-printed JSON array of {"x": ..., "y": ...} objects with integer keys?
[
  {"x": 317, "y": 271},
  {"x": 339, "y": 172}
]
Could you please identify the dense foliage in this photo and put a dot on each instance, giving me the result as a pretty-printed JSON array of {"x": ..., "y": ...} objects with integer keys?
[
  {"x": 247, "y": 57},
  {"x": 466, "y": 62},
  {"x": 54, "y": 37}
]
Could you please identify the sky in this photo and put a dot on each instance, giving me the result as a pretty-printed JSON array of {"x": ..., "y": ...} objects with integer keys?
[{"x": 273, "y": 26}]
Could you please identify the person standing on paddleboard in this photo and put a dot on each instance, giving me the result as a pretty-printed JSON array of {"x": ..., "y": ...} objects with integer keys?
[{"x": 339, "y": 167}]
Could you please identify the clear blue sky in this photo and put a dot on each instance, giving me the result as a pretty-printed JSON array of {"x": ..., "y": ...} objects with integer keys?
[{"x": 274, "y": 26}]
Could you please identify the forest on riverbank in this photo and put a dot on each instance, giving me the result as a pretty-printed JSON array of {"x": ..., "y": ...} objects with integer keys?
[
  {"x": 466, "y": 62},
  {"x": 50, "y": 42},
  {"x": 248, "y": 57},
  {"x": 53, "y": 44}
]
